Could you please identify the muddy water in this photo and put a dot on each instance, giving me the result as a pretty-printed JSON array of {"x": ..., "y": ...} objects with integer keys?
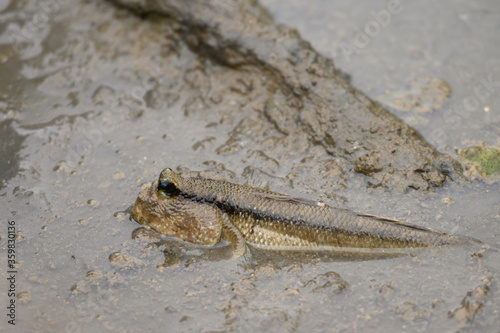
[{"x": 96, "y": 101}]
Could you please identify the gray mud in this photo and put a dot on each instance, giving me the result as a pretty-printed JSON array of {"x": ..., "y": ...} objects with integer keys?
[
  {"x": 96, "y": 100},
  {"x": 300, "y": 92}
]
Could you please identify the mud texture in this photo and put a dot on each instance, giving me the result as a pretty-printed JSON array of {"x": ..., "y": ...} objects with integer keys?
[
  {"x": 423, "y": 95},
  {"x": 303, "y": 92},
  {"x": 97, "y": 100}
]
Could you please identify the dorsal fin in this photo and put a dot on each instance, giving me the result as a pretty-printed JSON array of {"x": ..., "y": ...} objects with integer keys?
[
  {"x": 287, "y": 198},
  {"x": 398, "y": 222}
]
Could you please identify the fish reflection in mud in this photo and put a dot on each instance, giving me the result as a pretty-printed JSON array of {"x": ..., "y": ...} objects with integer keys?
[{"x": 202, "y": 211}]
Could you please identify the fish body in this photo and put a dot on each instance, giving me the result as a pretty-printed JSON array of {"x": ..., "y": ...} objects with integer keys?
[{"x": 203, "y": 210}]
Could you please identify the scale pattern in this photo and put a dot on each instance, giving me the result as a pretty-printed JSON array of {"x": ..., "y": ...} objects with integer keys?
[{"x": 269, "y": 219}]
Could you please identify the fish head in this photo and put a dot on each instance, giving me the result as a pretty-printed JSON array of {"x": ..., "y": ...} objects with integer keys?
[{"x": 161, "y": 208}]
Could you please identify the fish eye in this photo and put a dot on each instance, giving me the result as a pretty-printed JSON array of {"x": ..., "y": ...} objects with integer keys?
[{"x": 167, "y": 187}]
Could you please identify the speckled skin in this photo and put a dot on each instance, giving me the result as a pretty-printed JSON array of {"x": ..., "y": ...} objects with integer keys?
[
  {"x": 198, "y": 209},
  {"x": 184, "y": 219}
]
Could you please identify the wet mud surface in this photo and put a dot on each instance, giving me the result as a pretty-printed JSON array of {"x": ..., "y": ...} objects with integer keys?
[
  {"x": 96, "y": 100},
  {"x": 303, "y": 93}
]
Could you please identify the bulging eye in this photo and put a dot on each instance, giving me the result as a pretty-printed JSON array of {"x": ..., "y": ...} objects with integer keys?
[{"x": 167, "y": 187}]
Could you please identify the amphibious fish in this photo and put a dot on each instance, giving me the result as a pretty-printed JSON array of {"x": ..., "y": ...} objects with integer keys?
[{"x": 202, "y": 211}]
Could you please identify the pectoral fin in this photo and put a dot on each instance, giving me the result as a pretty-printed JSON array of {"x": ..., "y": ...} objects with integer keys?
[{"x": 233, "y": 235}]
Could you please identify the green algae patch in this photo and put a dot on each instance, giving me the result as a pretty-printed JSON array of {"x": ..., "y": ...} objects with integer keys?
[{"x": 481, "y": 159}]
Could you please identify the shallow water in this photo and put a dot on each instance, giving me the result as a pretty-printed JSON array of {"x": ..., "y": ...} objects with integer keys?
[{"x": 97, "y": 101}]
